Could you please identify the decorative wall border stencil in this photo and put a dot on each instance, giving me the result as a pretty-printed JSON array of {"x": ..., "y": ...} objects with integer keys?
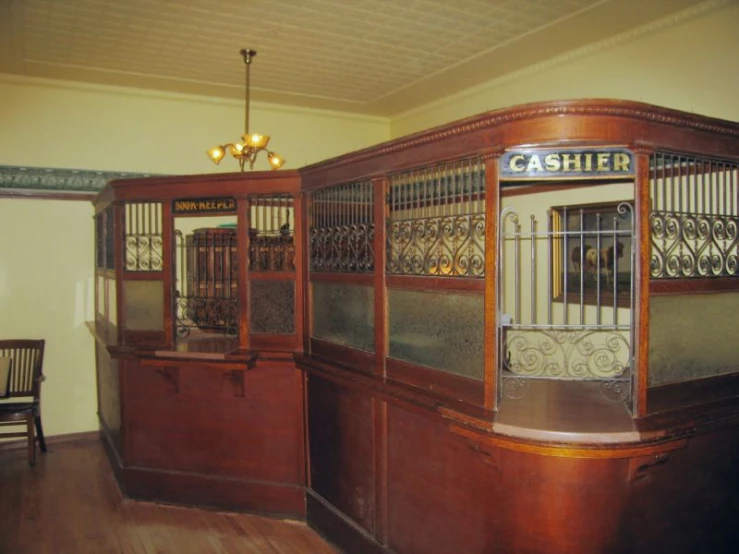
[{"x": 46, "y": 178}]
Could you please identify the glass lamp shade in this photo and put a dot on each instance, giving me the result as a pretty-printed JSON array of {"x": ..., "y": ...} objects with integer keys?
[
  {"x": 216, "y": 154},
  {"x": 275, "y": 161},
  {"x": 235, "y": 149},
  {"x": 255, "y": 140}
]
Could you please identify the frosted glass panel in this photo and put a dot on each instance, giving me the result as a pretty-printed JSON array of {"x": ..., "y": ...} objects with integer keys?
[
  {"x": 100, "y": 298},
  {"x": 439, "y": 330},
  {"x": 272, "y": 307},
  {"x": 692, "y": 337},
  {"x": 344, "y": 314},
  {"x": 144, "y": 302},
  {"x": 112, "y": 314}
]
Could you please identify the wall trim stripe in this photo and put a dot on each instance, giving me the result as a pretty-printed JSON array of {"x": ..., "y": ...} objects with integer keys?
[{"x": 55, "y": 179}]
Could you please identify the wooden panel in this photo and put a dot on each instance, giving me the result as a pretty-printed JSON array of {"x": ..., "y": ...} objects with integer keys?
[
  {"x": 496, "y": 501},
  {"x": 197, "y": 417},
  {"x": 109, "y": 402},
  {"x": 341, "y": 449},
  {"x": 685, "y": 501},
  {"x": 205, "y": 490}
]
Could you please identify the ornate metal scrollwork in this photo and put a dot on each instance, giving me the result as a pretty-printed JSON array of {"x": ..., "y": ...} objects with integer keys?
[
  {"x": 218, "y": 314},
  {"x": 570, "y": 355},
  {"x": 693, "y": 245},
  {"x": 144, "y": 253},
  {"x": 343, "y": 248},
  {"x": 567, "y": 354},
  {"x": 449, "y": 245},
  {"x": 272, "y": 253}
]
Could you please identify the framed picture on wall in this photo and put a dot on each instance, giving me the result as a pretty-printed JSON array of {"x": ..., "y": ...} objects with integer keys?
[{"x": 592, "y": 252}]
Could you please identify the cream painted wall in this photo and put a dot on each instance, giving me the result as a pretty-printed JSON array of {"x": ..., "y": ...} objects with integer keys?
[
  {"x": 46, "y": 291},
  {"x": 689, "y": 66},
  {"x": 66, "y": 125},
  {"x": 46, "y": 264}
]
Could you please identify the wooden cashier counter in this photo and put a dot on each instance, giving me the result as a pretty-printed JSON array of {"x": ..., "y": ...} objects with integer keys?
[{"x": 513, "y": 333}]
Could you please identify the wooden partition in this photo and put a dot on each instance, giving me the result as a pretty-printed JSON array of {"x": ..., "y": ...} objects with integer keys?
[{"x": 467, "y": 340}]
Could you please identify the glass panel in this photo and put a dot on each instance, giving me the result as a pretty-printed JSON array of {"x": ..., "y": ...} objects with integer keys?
[
  {"x": 100, "y": 298},
  {"x": 272, "y": 307},
  {"x": 344, "y": 314},
  {"x": 692, "y": 337},
  {"x": 439, "y": 330},
  {"x": 112, "y": 312},
  {"x": 144, "y": 301}
]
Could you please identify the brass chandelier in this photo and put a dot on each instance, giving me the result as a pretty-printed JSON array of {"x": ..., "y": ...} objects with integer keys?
[{"x": 252, "y": 143}]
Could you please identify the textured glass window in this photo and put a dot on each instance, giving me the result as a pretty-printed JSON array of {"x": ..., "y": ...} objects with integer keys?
[
  {"x": 272, "y": 307},
  {"x": 100, "y": 297},
  {"x": 692, "y": 337},
  {"x": 112, "y": 312},
  {"x": 439, "y": 330},
  {"x": 344, "y": 314},
  {"x": 144, "y": 302}
]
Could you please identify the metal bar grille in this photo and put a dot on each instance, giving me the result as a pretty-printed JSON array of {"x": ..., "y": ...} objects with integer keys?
[
  {"x": 437, "y": 221},
  {"x": 342, "y": 230},
  {"x": 562, "y": 294},
  {"x": 143, "y": 236},
  {"x": 271, "y": 233},
  {"x": 694, "y": 219},
  {"x": 207, "y": 281}
]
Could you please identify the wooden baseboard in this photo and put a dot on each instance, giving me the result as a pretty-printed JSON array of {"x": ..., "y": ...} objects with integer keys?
[
  {"x": 338, "y": 529},
  {"x": 55, "y": 440},
  {"x": 210, "y": 491}
]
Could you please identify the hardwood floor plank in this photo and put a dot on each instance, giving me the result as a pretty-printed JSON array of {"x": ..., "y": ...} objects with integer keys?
[{"x": 69, "y": 503}]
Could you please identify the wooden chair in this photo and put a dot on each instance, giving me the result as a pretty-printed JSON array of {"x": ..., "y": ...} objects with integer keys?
[{"x": 25, "y": 375}]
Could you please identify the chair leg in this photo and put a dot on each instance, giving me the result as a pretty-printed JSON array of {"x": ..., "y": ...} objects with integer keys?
[
  {"x": 31, "y": 441},
  {"x": 40, "y": 433}
]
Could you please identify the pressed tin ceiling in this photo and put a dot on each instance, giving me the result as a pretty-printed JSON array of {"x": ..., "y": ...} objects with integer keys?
[{"x": 379, "y": 57}]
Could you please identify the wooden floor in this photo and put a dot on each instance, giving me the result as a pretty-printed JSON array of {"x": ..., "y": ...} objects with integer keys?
[{"x": 70, "y": 503}]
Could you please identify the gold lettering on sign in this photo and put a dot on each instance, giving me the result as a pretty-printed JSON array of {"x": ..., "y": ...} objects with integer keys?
[
  {"x": 514, "y": 163},
  {"x": 621, "y": 162},
  {"x": 571, "y": 162},
  {"x": 204, "y": 205},
  {"x": 603, "y": 161},
  {"x": 588, "y": 161},
  {"x": 552, "y": 162},
  {"x": 534, "y": 164}
]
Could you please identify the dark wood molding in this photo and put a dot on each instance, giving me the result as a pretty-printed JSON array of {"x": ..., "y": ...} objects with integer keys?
[
  {"x": 638, "y": 112},
  {"x": 33, "y": 194},
  {"x": 192, "y": 489},
  {"x": 437, "y": 382},
  {"x": 693, "y": 286}
]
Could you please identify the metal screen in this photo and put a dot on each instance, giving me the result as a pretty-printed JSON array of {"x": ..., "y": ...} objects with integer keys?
[
  {"x": 566, "y": 299},
  {"x": 437, "y": 221},
  {"x": 206, "y": 293},
  {"x": 272, "y": 233},
  {"x": 342, "y": 229},
  {"x": 143, "y": 236},
  {"x": 694, "y": 223}
]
